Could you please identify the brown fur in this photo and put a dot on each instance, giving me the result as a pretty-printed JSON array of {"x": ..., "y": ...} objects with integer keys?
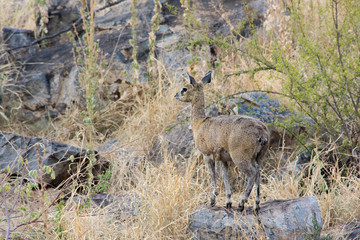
[{"x": 241, "y": 139}]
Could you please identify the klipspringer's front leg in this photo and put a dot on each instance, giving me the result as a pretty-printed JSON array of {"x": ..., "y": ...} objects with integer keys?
[
  {"x": 211, "y": 165},
  {"x": 225, "y": 176}
]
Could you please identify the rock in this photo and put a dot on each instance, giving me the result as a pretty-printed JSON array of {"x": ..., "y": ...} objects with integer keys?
[
  {"x": 122, "y": 206},
  {"x": 14, "y": 38},
  {"x": 171, "y": 32},
  {"x": 15, "y": 148},
  {"x": 297, "y": 166},
  {"x": 54, "y": 16},
  {"x": 210, "y": 14},
  {"x": 298, "y": 218},
  {"x": 46, "y": 88},
  {"x": 261, "y": 106},
  {"x": 53, "y": 68}
]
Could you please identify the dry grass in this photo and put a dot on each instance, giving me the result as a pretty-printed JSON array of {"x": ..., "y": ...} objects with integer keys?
[
  {"x": 16, "y": 14},
  {"x": 338, "y": 195},
  {"x": 169, "y": 191}
]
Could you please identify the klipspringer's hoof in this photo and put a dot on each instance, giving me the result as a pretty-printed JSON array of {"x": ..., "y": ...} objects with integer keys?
[
  {"x": 228, "y": 205},
  {"x": 240, "y": 208},
  {"x": 212, "y": 203}
]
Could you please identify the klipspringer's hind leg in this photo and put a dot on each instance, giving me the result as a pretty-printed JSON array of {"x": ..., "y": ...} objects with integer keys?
[
  {"x": 251, "y": 174},
  {"x": 225, "y": 176},
  {"x": 211, "y": 165},
  {"x": 257, "y": 198}
]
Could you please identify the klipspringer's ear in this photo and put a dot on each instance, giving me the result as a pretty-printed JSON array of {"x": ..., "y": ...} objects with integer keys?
[
  {"x": 192, "y": 80},
  {"x": 207, "y": 78}
]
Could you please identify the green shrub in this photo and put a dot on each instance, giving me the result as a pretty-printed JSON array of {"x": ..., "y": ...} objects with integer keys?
[{"x": 320, "y": 66}]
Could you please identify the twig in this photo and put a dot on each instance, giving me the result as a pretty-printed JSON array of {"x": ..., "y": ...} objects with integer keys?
[
  {"x": 36, "y": 219},
  {"x": 261, "y": 91},
  {"x": 9, "y": 212},
  {"x": 248, "y": 71},
  {"x": 66, "y": 29},
  {"x": 269, "y": 66},
  {"x": 7, "y": 216},
  {"x": 109, "y": 5}
]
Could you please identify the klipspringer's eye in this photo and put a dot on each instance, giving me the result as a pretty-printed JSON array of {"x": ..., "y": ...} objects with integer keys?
[{"x": 183, "y": 90}]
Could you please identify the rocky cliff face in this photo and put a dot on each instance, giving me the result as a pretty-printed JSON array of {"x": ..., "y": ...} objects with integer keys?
[{"x": 47, "y": 82}]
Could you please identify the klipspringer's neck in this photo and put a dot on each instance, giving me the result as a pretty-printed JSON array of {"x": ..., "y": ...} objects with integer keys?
[{"x": 197, "y": 112}]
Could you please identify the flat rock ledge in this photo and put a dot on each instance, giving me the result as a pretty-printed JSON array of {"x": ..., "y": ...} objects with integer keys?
[{"x": 298, "y": 218}]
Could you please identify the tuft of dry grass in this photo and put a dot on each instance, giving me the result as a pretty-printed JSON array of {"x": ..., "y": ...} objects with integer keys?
[
  {"x": 17, "y": 14},
  {"x": 168, "y": 197}
]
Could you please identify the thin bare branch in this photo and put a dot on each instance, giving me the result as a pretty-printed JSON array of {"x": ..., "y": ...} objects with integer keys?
[
  {"x": 248, "y": 71},
  {"x": 261, "y": 91}
]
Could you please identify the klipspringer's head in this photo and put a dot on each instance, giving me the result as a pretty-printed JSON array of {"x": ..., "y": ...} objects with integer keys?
[{"x": 192, "y": 89}]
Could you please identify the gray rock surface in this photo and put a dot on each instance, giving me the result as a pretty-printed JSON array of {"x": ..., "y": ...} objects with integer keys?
[
  {"x": 121, "y": 206},
  {"x": 126, "y": 154},
  {"x": 47, "y": 86},
  {"x": 52, "y": 69},
  {"x": 54, "y": 16},
  {"x": 298, "y": 218},
  {"x": 14, "y": 38},
  {"x": 15, "y": 148}
]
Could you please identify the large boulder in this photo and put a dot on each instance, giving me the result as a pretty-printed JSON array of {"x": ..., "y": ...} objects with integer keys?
[
  {"x": 19, "y": 155},
  {"x": 47, "y": 86},
  {"x": 298, "y": 218}
]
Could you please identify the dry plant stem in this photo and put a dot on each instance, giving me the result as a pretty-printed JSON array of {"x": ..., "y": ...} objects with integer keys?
[
  {"x": 42, "y": 188},
  {"x": 132, "y": 41},
  {"x": 8, "y": 214},
  {"x": 155, "y": 21},
  {"x": 36, "y": 220},
  {"x": 268, "y": 65},
  {"x": 89, "y": 77},
  {"x": 248, "y": 71}
]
